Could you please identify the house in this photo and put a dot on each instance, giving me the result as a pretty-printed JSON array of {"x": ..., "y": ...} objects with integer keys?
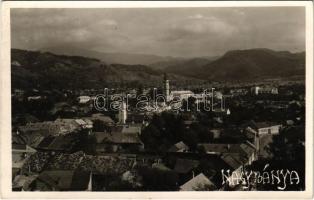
[
  {"x": 35, "y": 98},
  {"x": 198, "y": 183},
  {"x": 221, "y": 111},
  {"x": 84, "y": 110},
  {"x": 250, "y": 152},
  {"x": 32, "y": 139},
  {"x": 185, "y": 168},
  {"x": 98, "y": 164},
  {"x": 57, "y": 127},
  {"x": 289, "y": 122},
  {"x": 18, "y": 94},
  {"x": 235, "y": 164},
  {"x": 160, "y": 166},
  {"x": 132, "y": 129},
  {"x": 101, "y": 117},
  {"x": 218, "y": 120},
  {"x": 20, "y": 154},
  {"x": 22, "y": 182},
  {"x": 119, "y": 139},
  {"x": 264, "y": 128},
  {"x": 49, "y": 128},
  {"x": 264, "y": 90},
  {"x": 76, "y": 123},
  {"x": 179, "y": 147},
  {"x": 61, "y": 143},
  {"x": 246, "y": 151},
  {"x": 210, "y": 148},
  {"x": 136, "y": 118},
  {"x": 84, "y": 123},
  {"x": 63, "y": 109},
  {"x": 15, "y": 63},
  {"x": 242, "y": 155},
  {"x": 181, "y": 94},
  {"x": 216, "y": 133},
  {"x": 61, "y": 180},
  {"x": 83, "y": 99},
  {"x": 238, "y": 92}
]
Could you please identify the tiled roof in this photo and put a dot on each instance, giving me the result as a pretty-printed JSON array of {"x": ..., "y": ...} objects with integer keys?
[
  {"x": 68, "y": 180},
  {"x": 232, "y": 160},
  {"x": 178, "y": 146},
  {"x": 243, "y": 149},
  {"x": 117, "y": 137},
  {"x": 197, "y": 183}
]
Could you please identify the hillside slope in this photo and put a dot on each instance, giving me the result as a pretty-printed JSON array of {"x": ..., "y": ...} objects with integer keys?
[
  {"x": 254, "y": 64},
  {"x": 36, "y": 69}
]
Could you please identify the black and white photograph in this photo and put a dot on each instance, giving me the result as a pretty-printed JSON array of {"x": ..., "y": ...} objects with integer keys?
[{"x": 159, "y": 99}]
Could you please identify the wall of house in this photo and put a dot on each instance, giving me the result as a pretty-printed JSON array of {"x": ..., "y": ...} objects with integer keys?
[{"x": 269, "y": 130}]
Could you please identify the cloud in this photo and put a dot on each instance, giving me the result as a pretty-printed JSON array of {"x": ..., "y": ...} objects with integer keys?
[
  {"x": 107, "y": 22},
  {"x": 239, "y": 12},
  {"x": 196, "y": 16},
  {"x": 195, "y": 26},
  {"x": 171, "y": 31}
]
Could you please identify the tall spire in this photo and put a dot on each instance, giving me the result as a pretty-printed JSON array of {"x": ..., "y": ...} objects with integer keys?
[
  {"x": 166, "y": 88},
  {"x": 123, "y": 113}
]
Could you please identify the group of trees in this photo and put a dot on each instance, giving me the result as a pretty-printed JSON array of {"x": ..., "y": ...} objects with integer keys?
[
  {"x": 288, "y": 153},
  {"x": 168, "y": 128}
]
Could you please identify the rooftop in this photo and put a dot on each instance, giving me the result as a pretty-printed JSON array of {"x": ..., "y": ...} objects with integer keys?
[
  {"x": 227, "y": 148},
  {"x": 63, "y": 180},
  {"x": 179, "y": 146},
  {"x": 117, "y": 138},
  {"x": 199, "y": 182}
]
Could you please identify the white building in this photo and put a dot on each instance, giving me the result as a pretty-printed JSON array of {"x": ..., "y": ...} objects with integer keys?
[
  {"x": 83, "y": 99},
  {"x": 264, "y": 90},
  {"x": 181, "y": 94},
  {"x": 263, "y": 128}
]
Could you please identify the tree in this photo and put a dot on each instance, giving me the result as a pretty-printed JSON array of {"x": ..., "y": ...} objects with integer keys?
[
  {"x": 158, "y": 180},
  {"x": 99, "y": 126},
  {"x": 288, "y": 153}
]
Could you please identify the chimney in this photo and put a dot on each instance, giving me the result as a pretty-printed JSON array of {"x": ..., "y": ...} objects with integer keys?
[{"x": 193, "y": 174}]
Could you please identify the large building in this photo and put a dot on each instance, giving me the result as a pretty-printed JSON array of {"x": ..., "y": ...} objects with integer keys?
[
  {"x": 57, "y": 127},
  {"x": 264, "y": 90},
  {"x": 179, "y": 94}
]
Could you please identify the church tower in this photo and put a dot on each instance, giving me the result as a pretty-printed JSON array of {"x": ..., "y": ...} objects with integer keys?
[
  {"x": 166, "y": 88},
  {"x": 122, "y": 113}
]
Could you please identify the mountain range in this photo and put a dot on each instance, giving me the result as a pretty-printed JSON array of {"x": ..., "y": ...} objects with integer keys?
[
  {"x": 110, "y": 58},
  {"x": 48, "y": 70},
  {"x": 253, "y": 64},
  {"x": 40, "y": 68}
]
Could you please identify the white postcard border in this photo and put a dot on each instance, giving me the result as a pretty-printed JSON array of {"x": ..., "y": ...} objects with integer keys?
[{"x": 5, "y": 103}]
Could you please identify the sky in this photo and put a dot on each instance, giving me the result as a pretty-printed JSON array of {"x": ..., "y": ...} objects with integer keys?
[{"x": 178, "y": 32}]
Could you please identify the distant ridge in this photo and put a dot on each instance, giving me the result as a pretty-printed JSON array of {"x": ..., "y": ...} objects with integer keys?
[
  {"x": 48, "y": 70},
  {"x": 248, "y": 64},
  {"x": 110, "y": 58},
  {"x": 44, "y": 69}
]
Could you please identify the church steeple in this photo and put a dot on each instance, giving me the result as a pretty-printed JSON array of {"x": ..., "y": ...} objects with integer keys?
[
  {"x": 166, "y": 88},
  {"x": 123, "y": 113}
]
